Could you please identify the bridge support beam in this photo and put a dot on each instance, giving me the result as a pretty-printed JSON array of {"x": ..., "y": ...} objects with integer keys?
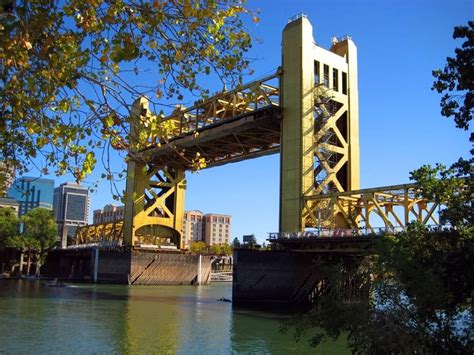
[
  {"x": 154, "y": 198},
  {"x": 297, "y": 131}
]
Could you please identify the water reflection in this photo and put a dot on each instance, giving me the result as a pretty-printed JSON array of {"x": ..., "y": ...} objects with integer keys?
[{"x": 138, "y": 319}]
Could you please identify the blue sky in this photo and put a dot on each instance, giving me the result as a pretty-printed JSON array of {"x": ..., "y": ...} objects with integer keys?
[{"x": 399, "y": 44}]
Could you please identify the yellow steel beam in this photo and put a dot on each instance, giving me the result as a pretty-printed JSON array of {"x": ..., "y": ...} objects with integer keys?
[
  {"x": 154, "y": 195},
  {"x": 353, "y": 205}
]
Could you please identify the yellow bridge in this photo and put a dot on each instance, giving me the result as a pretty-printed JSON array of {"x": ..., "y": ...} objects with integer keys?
[{"x": 307, "y": 111}]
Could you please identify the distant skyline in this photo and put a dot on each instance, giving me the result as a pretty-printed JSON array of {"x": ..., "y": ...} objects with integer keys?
[{"x": 399, "y": 44}]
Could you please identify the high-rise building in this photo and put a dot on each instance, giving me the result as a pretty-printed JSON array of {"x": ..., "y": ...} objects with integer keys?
[
  {"x": 71, "y": 205},
  {"x": 110, "y": 213},
  {"x": 32, "y": 192},
  {"x": 192, "y": 227},
  {"x": 216, "y": 228}
]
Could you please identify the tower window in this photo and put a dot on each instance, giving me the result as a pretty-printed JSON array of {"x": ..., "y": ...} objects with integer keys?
[
  {"x": 344, "y": 83},
  {"x": 326, "y": 75},
  {"x": 316, "y": 72}
]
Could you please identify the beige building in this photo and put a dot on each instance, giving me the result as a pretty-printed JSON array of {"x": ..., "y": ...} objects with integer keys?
[
  {"x": 216, "y": 228},
  {"x": 6, "y": 202},
  {"x": 110, "y": 213},
  {"x": 210, "y": 228},
  {"x": 192, "y": 227},
  {"x": 6, "y": 178}
]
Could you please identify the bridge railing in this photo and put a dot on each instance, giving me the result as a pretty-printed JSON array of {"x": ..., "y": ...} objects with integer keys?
[{"x": 338, "y": 232}]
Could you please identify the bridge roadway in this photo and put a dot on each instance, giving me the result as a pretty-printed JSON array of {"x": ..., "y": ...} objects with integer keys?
[{"x": 228, "y": 127}]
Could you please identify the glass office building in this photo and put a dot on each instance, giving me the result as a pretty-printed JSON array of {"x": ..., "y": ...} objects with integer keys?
[
  {"x": 71, "y": 205},
  {"x": 31, "y": 192}
]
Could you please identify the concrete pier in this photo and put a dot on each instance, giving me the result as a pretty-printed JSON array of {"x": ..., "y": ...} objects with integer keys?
[
  {"x": 296, "y": 278},
  {"x": 127, "y": 266}
]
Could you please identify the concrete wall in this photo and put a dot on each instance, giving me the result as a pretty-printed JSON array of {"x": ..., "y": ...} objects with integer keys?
[
  {"x": 167, "y": 268},
  {"x": 125, "y": 266}
]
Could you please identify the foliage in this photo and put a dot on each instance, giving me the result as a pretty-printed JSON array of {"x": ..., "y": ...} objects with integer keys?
[
  {"x": 236, "y": 243},
  {"x": 8, "y": 228},
  {"x": 451, "y": 187},
  {"x": 198, "y": 247},
  {"x": 216, "y": 249},
  {"x": 226, "y": 249},
  {"x": 456, "y": 79},
  {"x": 421, "y": 298},
  {"x": 40, "y": 230},
  {"x": 221, "y": 249},
  {"x": 70, "y": 70}
]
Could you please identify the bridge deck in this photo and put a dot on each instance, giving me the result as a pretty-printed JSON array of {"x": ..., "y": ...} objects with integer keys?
[
  {"x": 248, "y": 135},
  {"x": 227, "y": 127}
]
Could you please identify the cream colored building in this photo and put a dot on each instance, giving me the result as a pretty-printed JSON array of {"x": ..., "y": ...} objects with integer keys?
[
  {"x": 192, "y": 227},
  {"x": 216, "y": 229},
  {"x": 210, "y": 228},
  {"x": 6, "y": 178},
  {"x": 110, "y": 213},
  {"x": 6, "y": 202}
]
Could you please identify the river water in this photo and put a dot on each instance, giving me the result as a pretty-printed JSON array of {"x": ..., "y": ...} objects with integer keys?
[{"x": 139, "y": 319}]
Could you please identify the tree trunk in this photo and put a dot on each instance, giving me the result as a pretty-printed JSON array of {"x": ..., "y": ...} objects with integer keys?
[
  {"x": 38, "y": 264},
  {"x": 20, "y": 268},
  {"x": 28, "y": 263}
]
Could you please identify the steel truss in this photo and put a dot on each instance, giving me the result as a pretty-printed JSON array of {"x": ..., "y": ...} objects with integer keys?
[
  {"x": 395, "y": 206},
  {"x": 105, "y": 234},
  {"x": 228, "y": 127}
]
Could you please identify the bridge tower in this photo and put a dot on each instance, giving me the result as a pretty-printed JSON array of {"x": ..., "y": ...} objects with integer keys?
[
  {"x": 154, "y": 198},
  {"x": 320, "y": 125}
]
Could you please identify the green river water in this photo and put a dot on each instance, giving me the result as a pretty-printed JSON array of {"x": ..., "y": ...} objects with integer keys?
[{"x": 100, "y": 319}]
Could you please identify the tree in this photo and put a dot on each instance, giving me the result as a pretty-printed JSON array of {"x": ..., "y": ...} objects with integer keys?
[
  {"x": 226, "y": 249},
  {"x": 456, "y": 79},
  {"x": 70, "y": 70},
  {"x": 8, "y": 228},
  {"x": 198, "y": 247},
  {"x": 216, "y": 249},
  {"x": 236, "y": 243},
  {"x": 40, "y": 232}
]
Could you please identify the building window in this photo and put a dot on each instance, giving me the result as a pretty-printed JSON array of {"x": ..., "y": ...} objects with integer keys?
[
  {"x": 214, "y": 219},
  {"x": 316, "y": 72},
  {"x": 326, "y": 75},
  {"x": 344, "y": 83},
  {"x": 335, "y": 77}
]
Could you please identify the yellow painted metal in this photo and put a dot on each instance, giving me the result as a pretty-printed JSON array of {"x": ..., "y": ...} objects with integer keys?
[
  {"x": 320, "y": 128},
  {"x": 319, "y": 141},
  {"x": 394, "y": 207},
  {"x": 110, "y": 234},
  {"x": 154, "y": 198},
  {"x": 218, "y": 109},
  {"x": 297, "y": 130}
]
